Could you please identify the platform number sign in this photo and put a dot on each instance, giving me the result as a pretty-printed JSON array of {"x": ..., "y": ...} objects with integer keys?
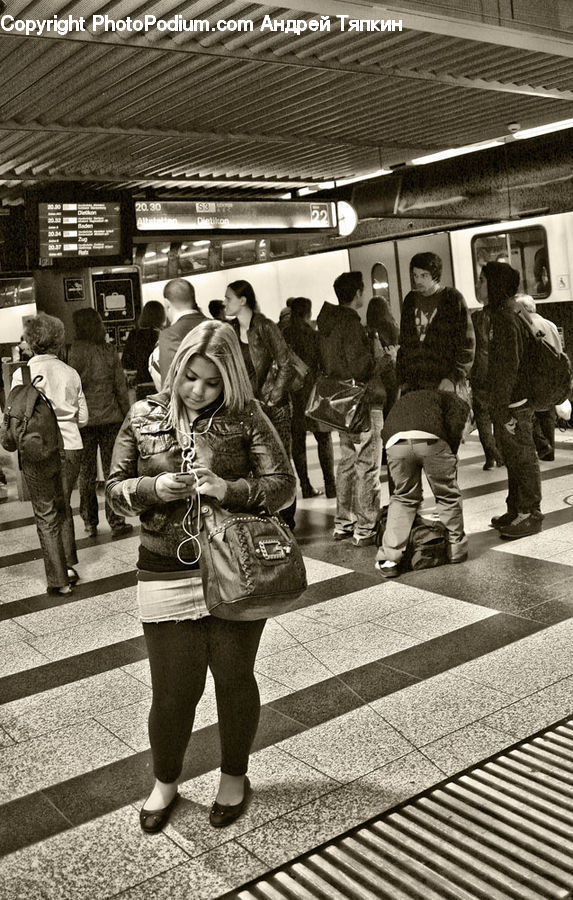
[{"x": 320, "y": 214}]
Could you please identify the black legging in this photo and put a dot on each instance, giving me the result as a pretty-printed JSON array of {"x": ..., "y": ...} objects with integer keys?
[{"x": 179, "y": 653}]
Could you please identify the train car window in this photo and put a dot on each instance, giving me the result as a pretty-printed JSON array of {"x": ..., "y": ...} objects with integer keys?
[
  {"x": 239, "y": 252},
  {"x": 379, "y": 279},
  {"x": 193, "y": 256},
  {"x": 525, "y": 249}
]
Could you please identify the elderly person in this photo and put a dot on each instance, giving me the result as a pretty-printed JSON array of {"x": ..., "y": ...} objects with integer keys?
[{"x": 50, "y": 486}]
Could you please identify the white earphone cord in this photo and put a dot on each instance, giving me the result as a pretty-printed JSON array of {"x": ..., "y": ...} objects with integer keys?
[{"x": 188, "y": 458}]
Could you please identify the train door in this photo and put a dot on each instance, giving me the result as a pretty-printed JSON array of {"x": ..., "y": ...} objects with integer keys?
[
  {"x": 377, "y": 262},
  {"x": 406, "y": 248}
]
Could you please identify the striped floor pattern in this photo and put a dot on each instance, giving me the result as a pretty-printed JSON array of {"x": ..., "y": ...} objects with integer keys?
[{"x": 374, "y": 693}]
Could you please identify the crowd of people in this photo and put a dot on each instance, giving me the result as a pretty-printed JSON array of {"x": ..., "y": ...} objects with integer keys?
[{"x": 216, "y": 416}]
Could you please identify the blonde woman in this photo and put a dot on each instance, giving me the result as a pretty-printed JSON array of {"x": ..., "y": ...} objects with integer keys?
[{"x": 205, "y": 416}]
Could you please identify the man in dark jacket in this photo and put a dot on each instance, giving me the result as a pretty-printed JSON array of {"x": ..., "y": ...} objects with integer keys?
[
  {"x": 184, "y": 315},
  {"x": 422, "y": 434},
  {"x": 509, "y": 387},
  {"x": 437, "y": 342},
  {"x": 345, "y": 353}
]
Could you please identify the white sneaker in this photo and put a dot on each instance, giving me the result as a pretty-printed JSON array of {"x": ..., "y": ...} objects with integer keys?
[{"x": 387, "y": 568}]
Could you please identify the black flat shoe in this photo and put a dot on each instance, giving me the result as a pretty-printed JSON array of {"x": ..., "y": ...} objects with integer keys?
[
  {"x": 308, "y": 492},
  {"x": 61, "y": 591},
  {"x": 221, "y": 816},
  {"x": 154, "y": 820},
  {"x": 73, "y": 576}
]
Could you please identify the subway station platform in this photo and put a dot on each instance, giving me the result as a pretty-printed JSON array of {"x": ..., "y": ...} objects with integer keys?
[{"x": 373, "y": 695}]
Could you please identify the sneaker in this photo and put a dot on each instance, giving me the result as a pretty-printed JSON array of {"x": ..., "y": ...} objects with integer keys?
[
  {"x": 387, "y": 568},
  {"x": 120, "y": 530},
  {"x": 522, "y": 526},
  {"x": 365, "y": 540},
  {"x": 501, "y": 521},
  {"x": 340, "y": 534}
]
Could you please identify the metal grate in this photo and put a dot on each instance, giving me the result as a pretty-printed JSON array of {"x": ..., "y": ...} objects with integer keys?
[{"x": 501, "y": 831}]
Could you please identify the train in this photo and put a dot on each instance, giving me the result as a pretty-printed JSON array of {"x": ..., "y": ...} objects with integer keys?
[{"x": 539, "y": 247}]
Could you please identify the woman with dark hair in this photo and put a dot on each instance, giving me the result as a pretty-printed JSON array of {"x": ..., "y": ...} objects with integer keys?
[
  {"x": 205, "y": 412},
  {"x": 384, "y": 334},
  {"x": 304, "y": 341},
  {"x": 51, "y": 483},
  {"x": 267, "y": 361},
  {"x": 140, "y": 345},
  {"x": 509, "y": 386},
  {"x": 105, "y": 388}
]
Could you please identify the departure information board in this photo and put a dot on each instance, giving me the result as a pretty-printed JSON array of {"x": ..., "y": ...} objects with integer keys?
[
  {"x": 79, "y": 229},
  {"x": 235, "y": 215}
]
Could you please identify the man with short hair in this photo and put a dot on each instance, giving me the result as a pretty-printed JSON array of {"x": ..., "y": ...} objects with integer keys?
[
  {"x": 437, "y": 342},
  {"x": 346, "y": 354},
  {"x": 184, "y": 315}
]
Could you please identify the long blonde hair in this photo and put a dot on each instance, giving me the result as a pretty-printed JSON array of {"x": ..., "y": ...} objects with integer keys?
[{"x": 218, "y": 343}]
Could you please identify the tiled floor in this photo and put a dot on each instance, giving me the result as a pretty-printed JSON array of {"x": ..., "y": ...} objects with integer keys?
[{"x": 374, "y": 692}]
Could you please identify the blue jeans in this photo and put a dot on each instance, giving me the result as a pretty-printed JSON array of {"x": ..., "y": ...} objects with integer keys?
[
  {"x": 358, "y": 479},
  {"x": 523, "y": 475},
  {"x": 406, "y": 462},
  {"x": 50, "y": 490}
]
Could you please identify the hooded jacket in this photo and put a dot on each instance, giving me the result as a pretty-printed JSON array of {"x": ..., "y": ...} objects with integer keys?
[
  {"x": 243, "y": 448},
  {"x": 508, "y": 369},
  {"x": 344, "y": 347},
  {"x": 510, "y": 342}
]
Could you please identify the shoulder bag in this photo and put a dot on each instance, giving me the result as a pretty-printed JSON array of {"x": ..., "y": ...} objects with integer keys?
[
  {"x": 341, "y": 404},
  {"x": 251, "y": 565}
]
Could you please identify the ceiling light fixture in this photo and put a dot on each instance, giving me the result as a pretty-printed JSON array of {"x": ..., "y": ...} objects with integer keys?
[
  {"x": 342, "y": 181},
  {"x": 525, "y": 133},
  {"x": 454, "y": 151}
]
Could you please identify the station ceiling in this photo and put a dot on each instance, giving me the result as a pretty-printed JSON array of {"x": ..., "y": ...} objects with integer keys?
[{"x": 264, "y": 111}]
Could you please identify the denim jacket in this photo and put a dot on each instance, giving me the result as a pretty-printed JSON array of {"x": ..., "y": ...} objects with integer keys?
[{"x": 243, "y": 448}]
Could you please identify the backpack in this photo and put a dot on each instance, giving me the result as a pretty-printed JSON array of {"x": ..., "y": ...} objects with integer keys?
[
  {"x": 30, "y": 425},
  {"x": 548, "y": 366},
  {"x": 427, "y": 545}
]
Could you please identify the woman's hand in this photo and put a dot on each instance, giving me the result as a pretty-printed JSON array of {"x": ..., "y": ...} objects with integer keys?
[
  {"x": 172, "y": 486},
  {"x": 209, "y": 484}
]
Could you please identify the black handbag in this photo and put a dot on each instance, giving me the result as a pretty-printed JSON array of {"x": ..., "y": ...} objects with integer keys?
[
  {"x": 342, "y": 405},
  {"x": 251, "y": 565}
]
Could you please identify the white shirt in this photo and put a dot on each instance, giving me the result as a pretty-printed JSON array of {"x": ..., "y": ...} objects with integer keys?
[{"x": 63, "y": 387}]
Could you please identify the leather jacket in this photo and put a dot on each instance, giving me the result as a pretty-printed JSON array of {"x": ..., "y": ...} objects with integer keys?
[
  {"x": 271, "y": 359},
  {"x": 243, "y": 448}
]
